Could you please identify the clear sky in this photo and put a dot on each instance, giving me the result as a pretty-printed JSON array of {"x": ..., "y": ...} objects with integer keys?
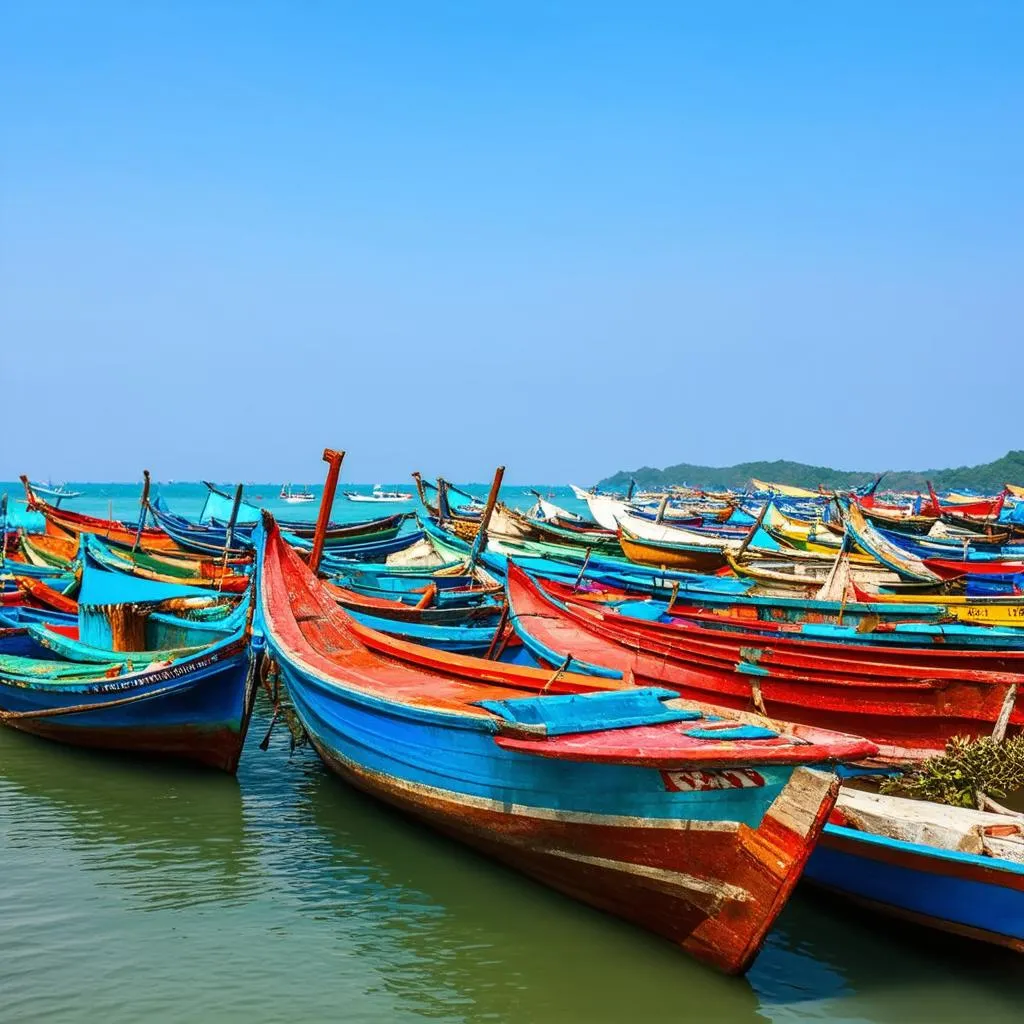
[{"x": 569, "y": 237}]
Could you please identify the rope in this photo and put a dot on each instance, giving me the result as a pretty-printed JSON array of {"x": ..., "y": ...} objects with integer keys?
[{"x": 9, "y": 716}]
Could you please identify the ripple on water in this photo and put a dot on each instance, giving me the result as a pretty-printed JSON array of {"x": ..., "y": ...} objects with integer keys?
[{"x": 146, "y": 891}]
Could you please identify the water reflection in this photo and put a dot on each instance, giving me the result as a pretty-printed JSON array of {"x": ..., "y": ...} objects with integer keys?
[
  {"x": 166, "y": 836},
  {"x": 455, "y": 936},
  {"x": 287, "y": 894}
]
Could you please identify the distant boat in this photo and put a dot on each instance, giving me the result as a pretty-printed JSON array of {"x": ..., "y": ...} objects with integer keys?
[
  {"x": 55, "y": 492},
  {"x": 295, "y": 497},
  {"x": 380, "y": 495}
]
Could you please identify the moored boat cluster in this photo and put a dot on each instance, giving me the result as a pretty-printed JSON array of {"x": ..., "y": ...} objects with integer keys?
[{"x": 648, "y": 704}]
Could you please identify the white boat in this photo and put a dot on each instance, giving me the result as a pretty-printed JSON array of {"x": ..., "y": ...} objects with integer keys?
[
  {"x": 55, "y": 492},
  {"x": 665, "y": 533},
  {"x": 548, "y": 512},
  {"x": 295, "y": 497},
  {"x": 379, "y": 495},
  {"x": 604, "y": 510}
]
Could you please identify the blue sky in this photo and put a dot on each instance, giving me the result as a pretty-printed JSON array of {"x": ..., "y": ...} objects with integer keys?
[{"x": 569, "y": 237}]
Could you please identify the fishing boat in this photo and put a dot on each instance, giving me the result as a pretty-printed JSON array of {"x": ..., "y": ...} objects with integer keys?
[
  {"x": 55, "y": 493},
  {"x": 950, "y": 868},
  {"x": 783, "y": 490},
  {"x": 907, "y": 698},
  {"x": 687, "y": 823},
  {"x": 293, "y": 497},
  {"x": 64, "y": 522},
  {"x": 94, "y": 682},
  {"x": 702, "y": 557},
  {"x": 380, "y": 496}
]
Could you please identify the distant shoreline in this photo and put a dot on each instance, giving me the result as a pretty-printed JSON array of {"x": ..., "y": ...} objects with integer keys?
[{"x": 989, "y": 477}]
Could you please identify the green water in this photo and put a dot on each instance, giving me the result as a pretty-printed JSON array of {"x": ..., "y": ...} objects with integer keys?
[{"x": 135, "y": 891}]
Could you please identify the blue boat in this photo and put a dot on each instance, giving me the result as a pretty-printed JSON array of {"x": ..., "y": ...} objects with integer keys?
[
  {"x": 624, "y": 797},
  {"x": 953, "y": 869},
  {"x": 132, "y": 672}
]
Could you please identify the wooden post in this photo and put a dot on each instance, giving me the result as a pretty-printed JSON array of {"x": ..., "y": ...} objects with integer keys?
[
  {"x": 492, "y": 499},
  {"x": 498, "y": 633},
  {"x": 660, "y": 518},
  {"x": 229, "y": 535},
  {"x": 753, "y": 530},
  {"x": 420, "y": 489},
  {"x": 143, "y": 505},
  {"x": 1009, "y": 702},
  {"x": 3, "y": 527},
  {"x": 333, "y": 460},
  {"x": 583, "y": 570},
  {"x": 442, "y": 501}
]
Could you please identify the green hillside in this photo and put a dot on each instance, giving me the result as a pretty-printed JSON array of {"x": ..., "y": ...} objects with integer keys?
[{"x": 989, "y": 477}]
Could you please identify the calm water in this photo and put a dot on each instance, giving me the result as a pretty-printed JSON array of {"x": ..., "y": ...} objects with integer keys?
[{"x": 134, "y": 890}]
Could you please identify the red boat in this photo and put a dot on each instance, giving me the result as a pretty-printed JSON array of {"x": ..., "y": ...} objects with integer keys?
[
  {"x": 908, "y": 700},
  {"x": 666, "y": 815},
  {"x": 951, "y": 568},
  {"x": 66, "y": 523}
]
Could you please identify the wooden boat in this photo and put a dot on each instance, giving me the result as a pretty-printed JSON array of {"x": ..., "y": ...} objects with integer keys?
[
  {"x": 379, "y": 495},
  {"x": 905, "y": 564},
  {"x": 800, "y": 575},
  {"x": 424, "y": 611},
  {"x": 605, "y": 510},
  {"x": 689, "y": 557},
  {"x": 983, "y": 611},
  {"x": 638, "y": 804},
  {"x": 66, "y": 523},
  {"x": 665, "y": 532},
  {"x": 548, "y": 512},
  {"x": 195, "y": 707},
  {"x": 55, "y": 493},
  {"x": 786, "y": 490},
  {"x": 805, "y": 535},
  {"x": 907, "y": 700},
  {"x": 950, "y": 868},
  {"x": 219, "y": 505},
  {"x": 509, "y": 522},
  {"x": 951, "y": 568},
  {"x": 63, "y": 552}
]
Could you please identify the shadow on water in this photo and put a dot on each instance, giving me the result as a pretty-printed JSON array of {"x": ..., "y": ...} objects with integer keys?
[
  {"x": 456, "y": 936},
  {"x": 472, "y": 933},
  {"x": 165, "y": 835},
  {"x": 292, "y": 894}
]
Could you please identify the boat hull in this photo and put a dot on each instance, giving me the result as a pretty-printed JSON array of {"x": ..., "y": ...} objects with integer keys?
[
  {"x": 712, "y": 886},
  {"x": 968, "y": 895},
  {"x": 196, "y": 710}
]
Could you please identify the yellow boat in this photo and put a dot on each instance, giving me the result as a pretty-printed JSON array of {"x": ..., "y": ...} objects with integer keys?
[
  {"x": 785, "y": 490},
  {"x": 979, "y": 611}
]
